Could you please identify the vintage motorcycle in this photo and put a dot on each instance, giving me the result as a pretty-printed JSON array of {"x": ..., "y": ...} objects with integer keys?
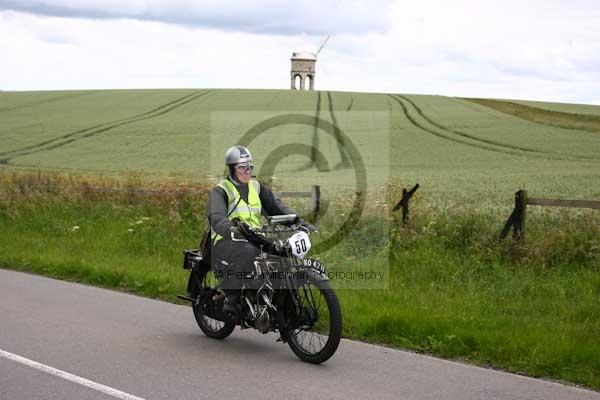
[{"x": 286, "y": 293}]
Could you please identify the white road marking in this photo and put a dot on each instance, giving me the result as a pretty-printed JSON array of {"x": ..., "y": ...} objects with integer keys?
[{"x": 70, "y": 377}]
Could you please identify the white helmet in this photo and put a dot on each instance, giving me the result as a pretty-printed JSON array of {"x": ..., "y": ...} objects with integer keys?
[{"x": 237, "y": 154}]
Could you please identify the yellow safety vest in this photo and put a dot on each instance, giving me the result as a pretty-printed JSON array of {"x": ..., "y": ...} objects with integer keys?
[{"x": 237, "y": 208}]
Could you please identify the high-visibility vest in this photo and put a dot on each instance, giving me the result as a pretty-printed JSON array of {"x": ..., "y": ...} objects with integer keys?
[{"x": 237, "y": 208}]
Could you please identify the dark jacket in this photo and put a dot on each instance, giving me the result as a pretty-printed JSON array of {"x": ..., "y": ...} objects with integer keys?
[{"x": 216, "y": 206}]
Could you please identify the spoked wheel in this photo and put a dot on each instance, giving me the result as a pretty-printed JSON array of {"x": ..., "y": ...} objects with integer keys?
[
  {"x": 211, "y": 327},
  {"x": 314, "y": 329}
]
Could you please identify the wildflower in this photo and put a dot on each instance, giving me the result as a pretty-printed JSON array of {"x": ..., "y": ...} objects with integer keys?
[{"x": 75, "y": 228}]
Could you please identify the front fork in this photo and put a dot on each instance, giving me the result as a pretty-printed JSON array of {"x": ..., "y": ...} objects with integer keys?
[{"x": 304, "y": 316}]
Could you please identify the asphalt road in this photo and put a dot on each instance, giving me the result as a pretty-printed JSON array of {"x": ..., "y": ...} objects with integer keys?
[{"x": 154, "y": 350}]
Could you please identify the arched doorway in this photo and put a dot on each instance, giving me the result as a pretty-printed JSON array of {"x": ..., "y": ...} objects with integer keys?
[
  {"x": 308, "y": 82},
  {"x": 298, "y": 82}
]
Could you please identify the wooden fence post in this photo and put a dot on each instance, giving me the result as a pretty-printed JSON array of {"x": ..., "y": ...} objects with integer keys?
[
  {"x": 315, "y": 195},
  {"x": 406, "y": 195},
  {"x": 520, "y": 215},
  {"x": 404, "y": 203}
]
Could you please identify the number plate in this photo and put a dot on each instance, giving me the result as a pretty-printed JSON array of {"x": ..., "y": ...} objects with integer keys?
[{"x": 314, "y": 264}]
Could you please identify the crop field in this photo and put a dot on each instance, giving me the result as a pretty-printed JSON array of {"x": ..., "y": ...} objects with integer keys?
[{"x": 453, "y": 147}]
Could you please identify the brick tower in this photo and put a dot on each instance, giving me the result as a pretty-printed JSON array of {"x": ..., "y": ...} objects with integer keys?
[{"x": 303, "y": 71}]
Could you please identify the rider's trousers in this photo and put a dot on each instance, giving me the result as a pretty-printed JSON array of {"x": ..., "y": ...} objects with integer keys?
[{"x": 233, "y": 260}]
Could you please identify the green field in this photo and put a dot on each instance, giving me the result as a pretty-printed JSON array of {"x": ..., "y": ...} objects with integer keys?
[
  {"x": 453, "y": 147},
  {"x": 74, "y": 204}
]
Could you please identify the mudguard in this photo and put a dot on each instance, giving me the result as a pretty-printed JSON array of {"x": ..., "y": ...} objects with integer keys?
[{"x": 195, "y": 282}]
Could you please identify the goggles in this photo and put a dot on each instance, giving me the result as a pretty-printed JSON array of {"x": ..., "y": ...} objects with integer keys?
[{"x": 244, "y": 167}]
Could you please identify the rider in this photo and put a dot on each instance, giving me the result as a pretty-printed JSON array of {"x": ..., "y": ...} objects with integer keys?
[{"x": 238, "y": 196}]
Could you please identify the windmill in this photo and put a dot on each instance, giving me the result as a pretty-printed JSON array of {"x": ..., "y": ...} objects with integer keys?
[{"x": 303, "y": 68}]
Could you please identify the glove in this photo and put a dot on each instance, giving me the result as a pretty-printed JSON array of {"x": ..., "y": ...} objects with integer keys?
[
  {"x": 237, "y": 229},
  {"x": 255, "y": 238},
  {"x": 305, "y": 224},
  {"x": 236, "y": 234}
]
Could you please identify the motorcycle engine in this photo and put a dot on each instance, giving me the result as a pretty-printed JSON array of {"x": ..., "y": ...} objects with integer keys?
[{"x": 263, "y": 321}]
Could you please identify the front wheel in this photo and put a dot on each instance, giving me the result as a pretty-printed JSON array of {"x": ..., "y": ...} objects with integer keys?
[{"x": 313, "y": 324}]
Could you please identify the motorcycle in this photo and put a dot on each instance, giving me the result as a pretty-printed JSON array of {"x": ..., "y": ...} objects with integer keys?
[{"x": 286, "y": 292}]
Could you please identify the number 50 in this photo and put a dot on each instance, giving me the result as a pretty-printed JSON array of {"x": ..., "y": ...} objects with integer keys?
[{"x": 300, "y": 245}]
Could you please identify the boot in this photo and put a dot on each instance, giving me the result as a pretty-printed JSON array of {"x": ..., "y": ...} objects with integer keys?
[{"x": 231, "y": 302}]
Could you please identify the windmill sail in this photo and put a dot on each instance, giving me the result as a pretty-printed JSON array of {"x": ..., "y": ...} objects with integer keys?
[{"x": 322, "y": 45}]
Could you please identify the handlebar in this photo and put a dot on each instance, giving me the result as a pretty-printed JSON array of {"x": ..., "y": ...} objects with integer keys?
[
  {"x": 278, "y": 225},
  {"x": 282, "y": 219},
  {"x": 279, "y": 244},
  {"x": 283, "y": 228}
]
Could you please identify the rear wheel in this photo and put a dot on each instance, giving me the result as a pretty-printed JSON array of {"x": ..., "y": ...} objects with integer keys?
[
  {"x": 314, "y": 329},
  {"x": 213, "y": 328}
]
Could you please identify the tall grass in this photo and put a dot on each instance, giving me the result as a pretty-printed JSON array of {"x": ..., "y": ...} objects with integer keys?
[
  {"x": 454, "y": 289},
  {"x": 561, "y": 119}
]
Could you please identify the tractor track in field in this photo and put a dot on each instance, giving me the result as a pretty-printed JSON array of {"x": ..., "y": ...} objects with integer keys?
[
  {"x": 45, "y": 101},
  {"x": 315, "y": 137},
  {"x": 351, "y": 104},
  {"x": 469, "y": 136},
  {"x": 63, "y": 140},
  {"x": 480, "y": 143},
  {"x": 440, "y": 135},
  {"x": 345, "y": 161},
  {"x": 102, "y": 125}
]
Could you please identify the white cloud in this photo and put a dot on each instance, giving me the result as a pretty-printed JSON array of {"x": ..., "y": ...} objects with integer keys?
[{"x": 284, "y": 17}]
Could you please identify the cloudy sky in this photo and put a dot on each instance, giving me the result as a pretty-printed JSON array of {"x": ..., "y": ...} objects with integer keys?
[{"x": 540, "y": 50}]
